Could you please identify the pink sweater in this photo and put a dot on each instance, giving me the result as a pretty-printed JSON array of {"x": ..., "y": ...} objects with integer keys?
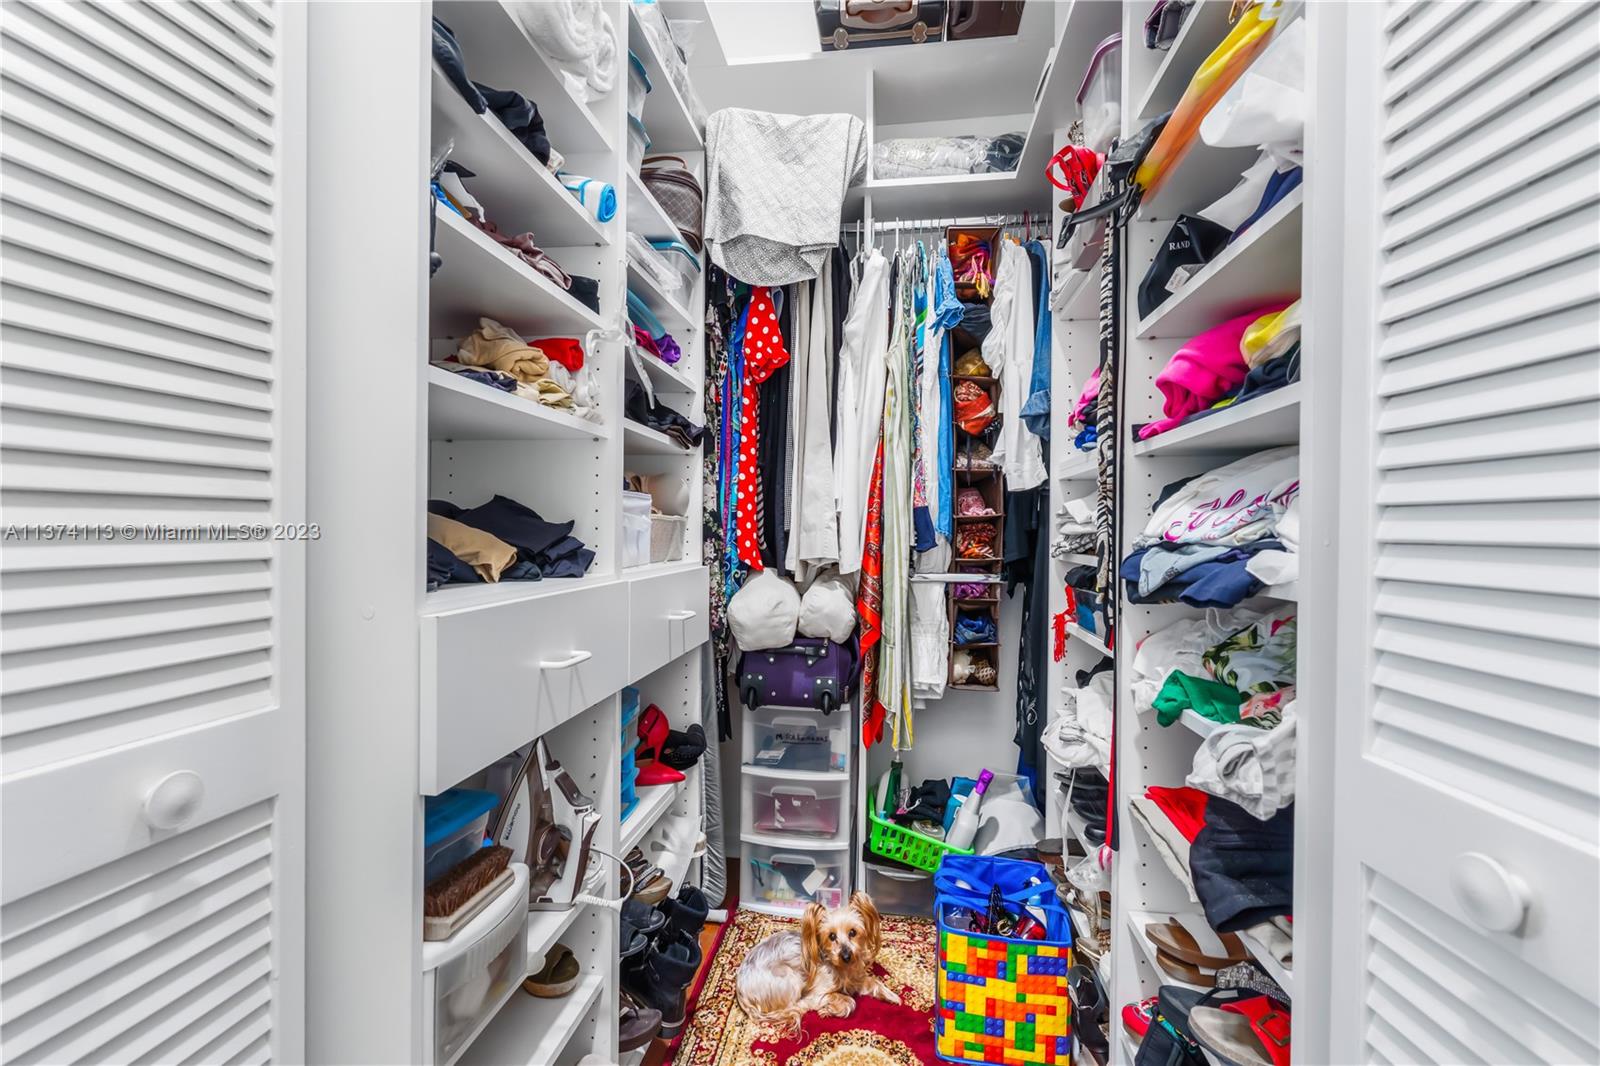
[{"x": 1205, "y": 369}]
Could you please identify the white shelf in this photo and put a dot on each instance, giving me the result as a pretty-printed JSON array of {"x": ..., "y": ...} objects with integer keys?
[
  {"x": 1203, "y": 29},
  {"x": 646, "y": 216},
  {"x": 1264, "y": 422},
  {"x": 654, "y": 801},
  {"x": 534, "y": 1031},
  {"x": 793, "y": 775},
  {"x": 667, "y": 120},
  {"x": 453, "y": 598},
  {"x": 663, "y": 378},
  {"x": 1081, "y": 303},
  {"x": 461, "y": 409},
  {"x": 1078, "y": 559},
  {"x": 480, "y": 278},
  {"x": 675, "y": 566},
  {"x": 673, "y": 315},
  {"x": 544, "y": 930},
  {"x": 1077, "y": 824},
  {"x": 641, "y": 439},
  {"x": 1274, "y": 968},
  {"x": 1202, "y": 175},
  {"x": 518, "y": 193},
  {"x": 1137, "y": 920},
  {"x": 1080, "y": 465},
  {"x": 499, "y": 52},
  {"x": 1078, "y": 633},
  {"x": 1198, "y": 723},
  {"x": 1260, "y": 268},
  {"x": 1288, "y": 592}
]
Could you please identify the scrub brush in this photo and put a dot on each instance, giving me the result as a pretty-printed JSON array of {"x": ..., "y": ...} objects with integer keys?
[{"x": 456, "y": 897}]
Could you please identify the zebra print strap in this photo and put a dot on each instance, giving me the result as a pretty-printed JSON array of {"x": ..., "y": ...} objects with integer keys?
[{"x": 1105, "y": 415}]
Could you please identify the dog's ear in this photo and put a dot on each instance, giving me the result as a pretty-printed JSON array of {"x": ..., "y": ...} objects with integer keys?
[
  {"x": 811, "y": 936},
  {"x": 862, "y": 904}
]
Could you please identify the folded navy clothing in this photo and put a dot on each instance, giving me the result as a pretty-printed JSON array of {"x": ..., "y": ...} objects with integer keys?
[
  {"x": 1221, "y": 581},
  {"x": 974, "y": 629},
  {"x": 1243, "y": 867},
  {"x": 519, "y": 115},
  {"x": 444, "y": 568}
]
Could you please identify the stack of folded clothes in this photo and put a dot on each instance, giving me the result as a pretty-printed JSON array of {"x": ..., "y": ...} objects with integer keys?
[
  {"x": 638, "y": 407},
  {"x": 1229, "y": 364},
  {"x": 501, "y": 540},
  {"x": 1203, "y": 534},
  {"x": 1074, "y": 528}
]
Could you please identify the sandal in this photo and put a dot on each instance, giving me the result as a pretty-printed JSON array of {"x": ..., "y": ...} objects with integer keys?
[
  {"x": 637, "y": 1024},
  {"x": 1187, "y": 973},
  {"x": 1195, "y": 943},
  {"x": 1138, "y": 1017},
  {"x": 558, "y": 977},
  {"x": 1088, "y": 1010},
  {"x": 1249, "y": 1031}
]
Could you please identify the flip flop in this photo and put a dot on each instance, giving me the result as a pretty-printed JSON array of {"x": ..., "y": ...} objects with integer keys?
[
  {"x": 558, "y": 977},
  {"x": 1179, "y": 970},
  {"x": 1199, "y": 947},
  {"x": 1253, "y": 1031},
  {"x": 637, "y": 1025}
]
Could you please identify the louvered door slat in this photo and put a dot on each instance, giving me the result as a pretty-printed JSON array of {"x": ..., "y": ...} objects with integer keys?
[
  {"x": 1466, "y": 801},
  {"x": 151, "y": 358}
]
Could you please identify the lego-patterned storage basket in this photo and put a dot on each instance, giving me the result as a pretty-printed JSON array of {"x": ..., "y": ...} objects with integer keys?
[{"x": 1001, "y": 1000}]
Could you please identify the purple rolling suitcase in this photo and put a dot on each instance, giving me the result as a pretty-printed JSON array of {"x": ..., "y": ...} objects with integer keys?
[{"x": 814, "y": 673}]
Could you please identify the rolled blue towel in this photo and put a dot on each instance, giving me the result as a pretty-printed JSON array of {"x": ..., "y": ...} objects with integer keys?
[{"x": 597, "y": 197}]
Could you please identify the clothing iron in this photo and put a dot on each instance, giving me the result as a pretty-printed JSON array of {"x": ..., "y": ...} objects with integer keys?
[{"x": 562, "y": 837}]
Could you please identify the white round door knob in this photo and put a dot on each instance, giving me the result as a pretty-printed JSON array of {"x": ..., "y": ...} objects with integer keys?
[
  {"x": 1492, "y": 896},
  {"x": 174, "y": 800}
]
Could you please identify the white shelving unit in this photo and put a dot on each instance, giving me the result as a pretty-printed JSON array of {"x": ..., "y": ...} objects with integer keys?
[
  {"x": 444, "y": 684},
  {"x": 1263, "y": 266}
]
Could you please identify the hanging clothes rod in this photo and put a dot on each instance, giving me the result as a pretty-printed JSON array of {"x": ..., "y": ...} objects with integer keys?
[{"x": 889, "y": 225}]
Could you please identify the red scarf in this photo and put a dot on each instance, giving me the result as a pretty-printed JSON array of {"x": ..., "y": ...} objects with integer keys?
[{"x": 869, "y": 606}]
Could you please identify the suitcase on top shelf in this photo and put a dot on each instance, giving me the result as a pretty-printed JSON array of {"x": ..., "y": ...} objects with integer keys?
[
  {"x": 814, "y": 673},
  {"x": 871, "y": 23},
  {"x": 973, "y": 19}
]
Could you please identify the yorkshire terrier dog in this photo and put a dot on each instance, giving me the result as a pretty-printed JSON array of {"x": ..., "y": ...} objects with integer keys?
[{"x": 821, "y": 968}]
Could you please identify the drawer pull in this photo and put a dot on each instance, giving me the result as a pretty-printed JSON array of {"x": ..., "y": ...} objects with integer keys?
[
  {"x": 680, "y": 616},
  {"x": 561, "y": 664}
]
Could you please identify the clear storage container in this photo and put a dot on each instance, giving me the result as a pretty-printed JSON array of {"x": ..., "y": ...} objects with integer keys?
[
  {"x": 638, "y": 87},
  {"x": 635, "y": 528},
  {"x": 684, "y": 262},
  {"x": 809, "y": 808},
  {"x": 453, "y": 826},
  {"x": 1100, "y": 95},
  {"x": 899, "y": 891},
  {"x": 788, "y": 739},
  {"x": 784, "y": 880},
  {"x": 468, "y": 976},
  {"x": 638, "y": 143}
]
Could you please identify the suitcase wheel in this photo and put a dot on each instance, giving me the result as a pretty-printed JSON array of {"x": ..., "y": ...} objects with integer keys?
[
  {"x": 752, "y": 698},
  {"x": 826, "y": 703}
]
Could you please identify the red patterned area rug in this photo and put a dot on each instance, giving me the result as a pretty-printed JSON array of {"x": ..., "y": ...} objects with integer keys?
[{"x": 877, "y": 1034}]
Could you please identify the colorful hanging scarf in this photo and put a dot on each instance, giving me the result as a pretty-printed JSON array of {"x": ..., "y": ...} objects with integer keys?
[
  {"x": 869, "y": 606},
  {"x": 763, "y": 353}
]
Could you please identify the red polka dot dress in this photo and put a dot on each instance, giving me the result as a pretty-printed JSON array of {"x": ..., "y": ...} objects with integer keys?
[{"x": 763, "y": 353}]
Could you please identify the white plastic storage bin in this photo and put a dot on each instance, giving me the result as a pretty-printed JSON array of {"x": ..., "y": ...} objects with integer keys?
[
  {"x": 814, "y": 809},
  {"x": 465, "y": 979},
  {"x": 899, "y": 891},
  {"x": 1100, "y": 95},
  {"x": 784, "y": 739},
  {"x": 638, "y": 143},
  {"x": 635, "y": 528},
  {"x": 783, "y": 880},
  {"x": 638, "y": 87}
]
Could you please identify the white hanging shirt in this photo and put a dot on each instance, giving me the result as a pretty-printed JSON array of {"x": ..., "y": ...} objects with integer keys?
[
  {"x": 861, "y": 383},
  {"x": 1008, "y": 349}
]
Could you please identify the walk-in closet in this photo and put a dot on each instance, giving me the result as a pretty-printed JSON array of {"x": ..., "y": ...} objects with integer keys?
[{"x": 800, "y": 533}]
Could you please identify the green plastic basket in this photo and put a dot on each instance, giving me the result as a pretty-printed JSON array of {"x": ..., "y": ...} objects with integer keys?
[{"x": 906, "y": 845}]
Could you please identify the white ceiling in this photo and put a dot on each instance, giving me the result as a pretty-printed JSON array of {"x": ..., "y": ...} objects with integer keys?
[{"x": 766, "y": 55}]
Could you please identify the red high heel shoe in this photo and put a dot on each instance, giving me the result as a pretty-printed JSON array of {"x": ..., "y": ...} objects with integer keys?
[{"x": 653, "y": 730}]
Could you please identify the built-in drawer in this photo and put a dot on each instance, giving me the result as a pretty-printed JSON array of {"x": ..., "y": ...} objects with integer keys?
[
  {"x": 497, "y": 673},
  {"x": 667, "y": 616},
  {"x": 812, "y": 808},
  {"x": 783, "y": 879}
]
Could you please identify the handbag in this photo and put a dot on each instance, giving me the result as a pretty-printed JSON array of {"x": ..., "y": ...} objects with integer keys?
[
  {"x": 679, "y": 194},
  {"x": 972, "y": 20},
  {"x": 1078, "y": 166},
  {"x": 1192, "y": 242}
]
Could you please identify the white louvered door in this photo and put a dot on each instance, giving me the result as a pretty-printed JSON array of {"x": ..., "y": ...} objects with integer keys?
[
  {"x": 151, "y": 375},
  {"x": 1467, "y": 801}
]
